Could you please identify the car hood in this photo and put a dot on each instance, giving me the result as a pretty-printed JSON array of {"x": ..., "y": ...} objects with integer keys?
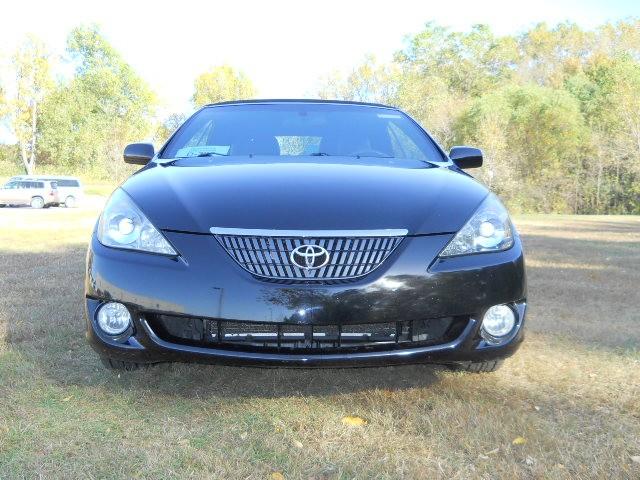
[{"x": 304, "y": 196}]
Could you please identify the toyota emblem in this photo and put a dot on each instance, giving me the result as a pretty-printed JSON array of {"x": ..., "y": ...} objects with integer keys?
[{"x": 309, "y": 257}]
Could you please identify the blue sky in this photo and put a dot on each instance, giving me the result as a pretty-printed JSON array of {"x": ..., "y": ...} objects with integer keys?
[{"x": 284, "y": 46}]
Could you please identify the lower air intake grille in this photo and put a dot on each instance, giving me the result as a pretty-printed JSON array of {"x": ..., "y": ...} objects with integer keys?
[
  {"x": 290, "y": 337},
  {"x": 310, "y": 258}
]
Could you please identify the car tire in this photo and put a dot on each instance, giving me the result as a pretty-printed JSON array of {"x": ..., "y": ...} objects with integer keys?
[
  {"x": 478, "y": 367},
  {"x": 37, "y": 202},
  {"x": 112, "y": 364},
  {"x": 70, "y": 201}
]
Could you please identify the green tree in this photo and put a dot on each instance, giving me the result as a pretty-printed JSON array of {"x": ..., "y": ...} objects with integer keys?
[
  {"x": 33, "y": 81},
  {"x": 368, "y": 82},
  {"x": 221, "y": 84},
  {"x": 468, "y": 62},
  {"x": 88, "y": 121},
  {"x": 166, "y": 128},
  {"x": 534, "y": 139},
  {"x": 608, "y": 91},
  {"x": 556, "y": 109}
]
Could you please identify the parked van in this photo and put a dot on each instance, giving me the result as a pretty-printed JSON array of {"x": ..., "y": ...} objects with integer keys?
[
  {"x": 70, "y": 189},
  {"x": 36, "y": 193}
]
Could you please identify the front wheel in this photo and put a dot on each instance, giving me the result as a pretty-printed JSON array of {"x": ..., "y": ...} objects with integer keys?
[
  {"x": 478, "y": 367},
  {"x": 37, "y": 202},
  {"x": 70, "y": 202}
]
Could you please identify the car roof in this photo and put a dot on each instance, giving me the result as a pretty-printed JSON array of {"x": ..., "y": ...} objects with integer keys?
[
  {"x": 293, "y": 100},
  {"x": 44, "y": 177}
]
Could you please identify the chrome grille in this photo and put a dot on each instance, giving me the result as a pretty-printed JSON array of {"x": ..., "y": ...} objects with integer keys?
[{"x": 351, "y": 254}]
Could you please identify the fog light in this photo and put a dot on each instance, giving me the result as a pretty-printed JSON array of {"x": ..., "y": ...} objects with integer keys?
[
  {"x": 114, "y": 318},
  {"x": 498, "y": 321}
]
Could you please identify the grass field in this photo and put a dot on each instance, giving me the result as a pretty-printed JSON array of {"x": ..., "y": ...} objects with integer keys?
[{"x": 570, "y": 398}]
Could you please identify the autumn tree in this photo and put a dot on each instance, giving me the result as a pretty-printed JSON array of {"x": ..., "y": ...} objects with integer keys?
[
  {"x": 221, "y": 84},
  {"x": 166, "y": 127},
  {"x": 33, "y": 82},
  {"x": 368, "y": 82}
]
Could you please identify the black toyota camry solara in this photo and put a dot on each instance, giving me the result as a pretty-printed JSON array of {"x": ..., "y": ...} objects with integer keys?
[{"x": 304, "y": 233}]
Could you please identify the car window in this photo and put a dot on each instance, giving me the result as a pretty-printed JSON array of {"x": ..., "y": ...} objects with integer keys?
[
  {"x": 301, "y": 129},
  {"x": 403, "y": 146},
  {"x": 67, "y": 183}
]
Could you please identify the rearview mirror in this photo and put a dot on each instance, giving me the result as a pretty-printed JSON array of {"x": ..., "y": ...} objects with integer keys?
[
  {"x": 466, "y": 157},
  {"x": 138, "y": 153}
]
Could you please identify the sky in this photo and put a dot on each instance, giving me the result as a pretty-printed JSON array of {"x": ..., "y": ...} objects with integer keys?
[{"x": 283, "y": 46}]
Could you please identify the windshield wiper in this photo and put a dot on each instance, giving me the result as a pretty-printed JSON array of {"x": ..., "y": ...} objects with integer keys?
[
  {"x": 319, "y": 154},
  {"x": 210, "y": 154},
  {"x": 204, "y": 154}
]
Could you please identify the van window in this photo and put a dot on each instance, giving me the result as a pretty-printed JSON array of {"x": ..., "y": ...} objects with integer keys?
[{"x": 68, "y": 183}]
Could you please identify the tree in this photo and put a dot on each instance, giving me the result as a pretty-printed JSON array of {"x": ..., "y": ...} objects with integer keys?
[
  {"x": 88, "y": 121},
  {"x": 468, "y": 62},
  {"x": 33, "y": 82},
  {"x": 608, "y": 91},
  {"x": 555, "y": 109},
  {"x": 368, "y": 82},
  {"x": 221, "y": 84},
  {"x": 3, "y": 102},
  {"x": 167, "y": 127},
  {"x": 534, "y": 139}
]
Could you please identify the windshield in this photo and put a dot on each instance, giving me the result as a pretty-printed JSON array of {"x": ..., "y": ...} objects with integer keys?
[{"x": 302, "y": 129}]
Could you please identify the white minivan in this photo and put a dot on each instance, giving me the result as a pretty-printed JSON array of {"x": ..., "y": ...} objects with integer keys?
[
  {"x": 36, "y": 193},
  {"x": 70, "y": 190}
]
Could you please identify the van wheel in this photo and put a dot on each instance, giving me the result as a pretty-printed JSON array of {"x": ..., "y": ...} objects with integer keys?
[
  {"x": 112, "y": 364},
  {"x": 70, "y": 202},
  {"x": 37, "y": 202}
]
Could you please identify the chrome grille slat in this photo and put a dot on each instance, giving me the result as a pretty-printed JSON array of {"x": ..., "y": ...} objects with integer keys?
[{"x": 269, "y": 256}]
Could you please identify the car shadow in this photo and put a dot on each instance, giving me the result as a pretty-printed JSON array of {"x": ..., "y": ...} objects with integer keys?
[{"x": 194, "y": 381}]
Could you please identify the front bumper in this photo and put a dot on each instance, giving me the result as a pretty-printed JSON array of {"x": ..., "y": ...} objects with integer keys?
[{"x": 204, "y": 283}]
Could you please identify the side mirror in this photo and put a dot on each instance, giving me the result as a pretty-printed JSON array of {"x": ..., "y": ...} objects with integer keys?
[
  {"x": 138, "y": 153},
  {"x": 466, "y": 157}
]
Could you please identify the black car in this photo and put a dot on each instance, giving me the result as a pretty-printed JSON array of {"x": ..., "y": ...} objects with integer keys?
[{"x": 304, "y": 233}]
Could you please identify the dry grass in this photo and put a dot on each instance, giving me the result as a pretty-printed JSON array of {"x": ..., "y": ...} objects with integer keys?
[{"x": 572, "y": 391}]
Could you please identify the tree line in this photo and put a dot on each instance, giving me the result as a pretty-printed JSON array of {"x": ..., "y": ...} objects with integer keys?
[{"x": 555, "y": 109}]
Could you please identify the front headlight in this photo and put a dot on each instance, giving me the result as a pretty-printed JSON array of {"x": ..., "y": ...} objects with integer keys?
[
  {"x": 488, "y": 230},
  {"x": 123, "y": 225}
]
